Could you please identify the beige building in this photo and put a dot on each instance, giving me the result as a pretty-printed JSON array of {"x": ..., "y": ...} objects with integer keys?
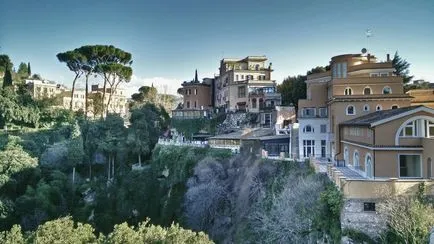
[
  {"x": 44, "y": 88},
  {"x": 78, "y": 101},
  {"x": 379, "y": 145},
  {"x": 118, "y": 100},
  {"x": 246, "y": 85},
  {"x": 196, "y": 94},
  {"x": 422, "y": 97},
  {"x": 197, "y": 99},
  {"x": 356, "y": 85}
]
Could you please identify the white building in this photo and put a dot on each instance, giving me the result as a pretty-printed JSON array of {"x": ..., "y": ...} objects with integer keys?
[{"x": 314, "y": 125}]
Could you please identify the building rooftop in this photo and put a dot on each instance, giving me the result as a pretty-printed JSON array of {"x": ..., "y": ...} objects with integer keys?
[
  {"x": 370, "y": 119},
  {"x": 247, "y": 134},
  {"x": 422, "y": 95}
]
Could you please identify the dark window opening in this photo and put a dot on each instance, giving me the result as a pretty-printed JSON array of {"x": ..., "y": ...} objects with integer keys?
[{"x": 369, "y": 206}]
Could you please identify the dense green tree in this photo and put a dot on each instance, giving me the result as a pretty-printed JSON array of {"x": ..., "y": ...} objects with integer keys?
[
  {"x": 17, "y": 107},
  {"x": 23, "y": 71},
  {"x": 36, "y": 77},
  {"x": 292, "y": 89},
  {"x": 112, "y": 140},
  {"x": 13, "y": 236},
  {"x": 7, "y": 79},
  {"x": 145, "y": 94},
  {"x": 29, "y": 70},
  {"x": 146, "y": 124},
  {"x": 75, "y": 147},
  {"x": 5, "y": 63},
  {"x": 318, "y": 69},
  {"x": 114, "y": 66},
  {"x": 64, "y": 230},
  {"x": 96, "y": 104},
  {"x": 74, "y": 62},
  {"x": 402, "y": 68},
  {"x": 14, "y": 160}
]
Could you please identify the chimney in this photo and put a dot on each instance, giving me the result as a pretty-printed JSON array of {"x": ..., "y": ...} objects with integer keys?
[{"x": 388, "y": 57}]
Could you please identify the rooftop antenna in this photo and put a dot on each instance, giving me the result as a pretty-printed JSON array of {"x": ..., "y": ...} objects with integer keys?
[{"x": 368, "y": 34}]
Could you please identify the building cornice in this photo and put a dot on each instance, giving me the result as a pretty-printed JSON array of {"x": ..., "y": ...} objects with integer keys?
[{"x": 382, "y": 148}]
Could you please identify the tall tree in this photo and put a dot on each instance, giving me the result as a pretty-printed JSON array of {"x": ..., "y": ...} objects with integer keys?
[
  {"x": 147, "y": 121},
  {"x": 74, "y": 61},
  {"x": 5, "y": 63},
  {"x": 292, "y": 89},
  {"x": 7, "y": 79},
  {"x": 401, "y": 68},
  {"x": 36, "y": 77},
  {"x": 29, "y": 70},
  {"x": 112, "y": 140},
  {"x": 90, "y": 62},
  {"x": 23, "y": 71},
  {"x": 114, "y": 67}
]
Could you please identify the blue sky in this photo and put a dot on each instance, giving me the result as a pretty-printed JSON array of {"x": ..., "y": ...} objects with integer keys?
[{"x": 170, "y": 39}]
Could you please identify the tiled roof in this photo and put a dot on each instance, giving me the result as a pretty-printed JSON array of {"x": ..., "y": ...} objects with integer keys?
[{"x": 379, "y": 115}]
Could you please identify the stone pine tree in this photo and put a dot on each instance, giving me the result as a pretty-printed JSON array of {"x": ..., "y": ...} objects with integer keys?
[
  {"x": 402, "y": 68},
  {"x": 7, "y": 79},
  {"x": 74, "y": 62},
  {"x": 114, "y": 67}
]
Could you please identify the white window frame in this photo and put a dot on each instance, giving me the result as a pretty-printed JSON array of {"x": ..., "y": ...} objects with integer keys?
[
  {"x": 308, "y": 116},
  {"x": 366, "y": 108},
  {"x": 354, "y": 110},
  {"x": 312, "y": 130},
  {"x": 311, "y": 146},
  {"x": 324, "y": 113},
  {"x": 414, "y": 129},
  {"x": 321, "y": 128},
  {"x": 389, "y": 89},
  {"x": 378, "y": 106},
  {"x": 347, "y": 155},
  {"x": 357, "y": 166},
  {"x": 368, "y": 155},
  {"x": 420, "y": 161},
  {"x": 370, "y": 90},
  {"x": 348, "y": 91},
  {"x": 429, "y": 124}
]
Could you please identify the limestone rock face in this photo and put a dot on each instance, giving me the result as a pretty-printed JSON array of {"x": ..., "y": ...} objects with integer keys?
[{"x": 354, "y": 217}]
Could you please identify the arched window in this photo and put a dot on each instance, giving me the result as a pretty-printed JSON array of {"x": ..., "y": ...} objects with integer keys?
[
  {"x": 387, "y": 90},
  {"x": 366, "y": 108},
  {"x": 418, "y": 126},
  {"x": 367, "y": 91},
  {"x": 368, "y": 166},
  {"x": 395, "y": 106},
  {"x": 351, "y": 110},
  {"x": 356, "y": 161},
  {"x": 257, "y": 67},
  {"x": 254, "y": 103},
  {"x": 348, "y": 91},
  {"x": 378, "y": 107},
  {"x": 346, "y": 155},
  {"x": 308, "y": 129}
]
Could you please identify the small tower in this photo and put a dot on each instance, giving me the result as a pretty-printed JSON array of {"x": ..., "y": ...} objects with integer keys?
[{"x": 196, "y": 80}]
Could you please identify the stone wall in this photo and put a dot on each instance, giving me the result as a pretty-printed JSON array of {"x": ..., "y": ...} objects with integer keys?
[
  {"x": 233, "y": 121},
  {"x": 354, "y": 217}
]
